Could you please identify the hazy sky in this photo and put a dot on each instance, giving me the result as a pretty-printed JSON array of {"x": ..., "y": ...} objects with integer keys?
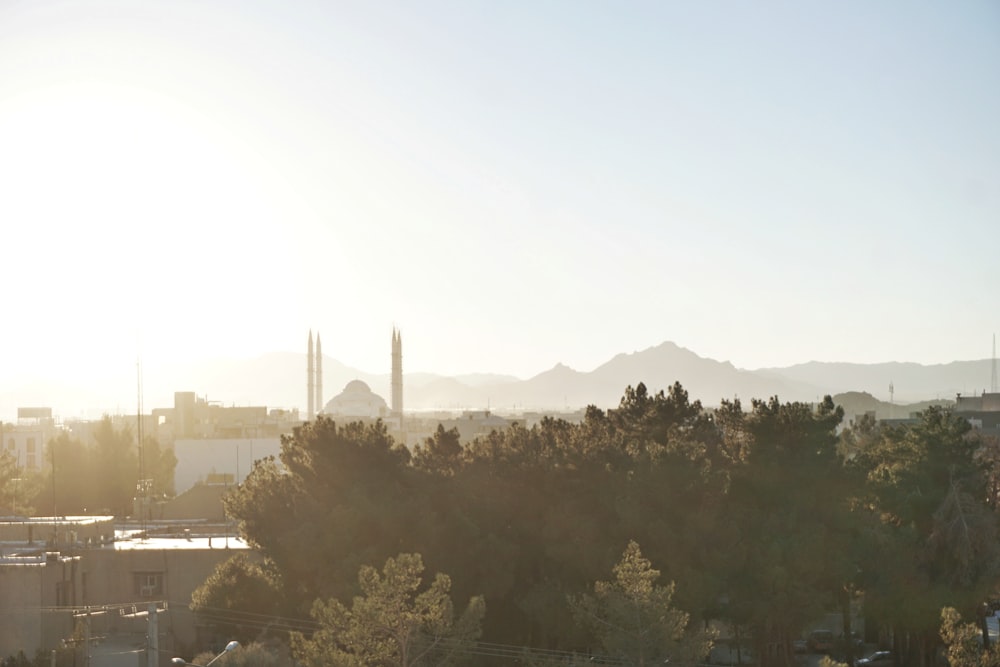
[{"x": 513, "y": 184}]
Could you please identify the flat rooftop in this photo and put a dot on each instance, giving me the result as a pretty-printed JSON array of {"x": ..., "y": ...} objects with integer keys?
[
  {"x": 88, "y": 520},
  {"x": 129, "y": 541}
]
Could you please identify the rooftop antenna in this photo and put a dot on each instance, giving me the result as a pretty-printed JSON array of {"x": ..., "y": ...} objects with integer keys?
[
  {"x": 143, "y": 482},
  {"x": 892, "y": 401},
  {"x": 993, "y": 374}
]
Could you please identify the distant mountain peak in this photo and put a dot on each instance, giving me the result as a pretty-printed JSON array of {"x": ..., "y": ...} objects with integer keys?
[{"x": 277, "y": 380}]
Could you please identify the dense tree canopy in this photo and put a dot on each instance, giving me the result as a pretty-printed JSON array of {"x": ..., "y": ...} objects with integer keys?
[
  {"x": 766, "y": 519},
  {"x": 937, "y": 531},
  {"x": 100, "y": 476}
]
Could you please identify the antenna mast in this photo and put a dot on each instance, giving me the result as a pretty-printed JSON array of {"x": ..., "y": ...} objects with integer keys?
[
  {"x": 143, "y": 486},
  {"x": 993, "y": 374},
  {"x": 892, "y": 401}
]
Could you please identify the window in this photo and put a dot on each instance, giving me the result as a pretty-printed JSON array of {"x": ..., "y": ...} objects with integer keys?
[
  {"x": 10, "y": 445},
  {"x": 31, "y": 462},
  {"x": 31, "y": 445},
  {"x": 148, "y": 584}
]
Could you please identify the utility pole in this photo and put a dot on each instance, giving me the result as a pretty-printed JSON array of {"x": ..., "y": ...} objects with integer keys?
[
  {"x": 55, "y": 514},
  {"x": 86, "y": 641},
  {"x": 152, "y": 639}
]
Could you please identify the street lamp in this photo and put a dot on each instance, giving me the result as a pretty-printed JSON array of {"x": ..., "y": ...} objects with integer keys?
[{"x": 229, "y": 647}]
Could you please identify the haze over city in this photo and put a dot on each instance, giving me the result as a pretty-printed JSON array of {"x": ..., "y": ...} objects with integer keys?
[{"x": 512, "y": 184}]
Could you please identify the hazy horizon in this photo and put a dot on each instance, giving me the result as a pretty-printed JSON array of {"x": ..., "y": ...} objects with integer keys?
[
  {"x": 116, "y": 390},
  {"x": 512, "y": 185}
]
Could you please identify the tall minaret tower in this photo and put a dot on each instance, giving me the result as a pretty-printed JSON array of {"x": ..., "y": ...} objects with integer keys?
[
  {"x": 319, "y": 375},
  {"x": 397, "y": 372},
  {"x": 310, "y": 381}
]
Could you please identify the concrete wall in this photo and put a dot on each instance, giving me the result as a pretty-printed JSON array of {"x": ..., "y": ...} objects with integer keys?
[
  {"x": 201, "y": 501},
  {"x": 111, "y": 578},
  {"x": 27, "y": 589},
  {"x": 31, "y": 586},
  {"x": 20, "y": 619}
]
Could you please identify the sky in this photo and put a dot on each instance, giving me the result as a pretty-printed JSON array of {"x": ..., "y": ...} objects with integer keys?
[{"x": 512, "y": 184}]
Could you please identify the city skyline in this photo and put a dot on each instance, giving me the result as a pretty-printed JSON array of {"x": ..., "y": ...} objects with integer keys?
[
  {"x": 275, "y": 380},
  {"x": 513, "y": 186}
]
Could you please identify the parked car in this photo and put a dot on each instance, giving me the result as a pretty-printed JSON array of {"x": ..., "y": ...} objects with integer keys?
[
  {"x": 877, "y": 658},
  {"x": 856, "y": 640},
  {"x": 820, "y": 641}
]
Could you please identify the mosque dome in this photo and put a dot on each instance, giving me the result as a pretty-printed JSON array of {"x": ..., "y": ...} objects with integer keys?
[
  {"x": 356, "y": 400},
  {"x": 357, "y": 387}
]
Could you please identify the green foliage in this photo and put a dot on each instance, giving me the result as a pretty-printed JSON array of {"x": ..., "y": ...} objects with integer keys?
[
  {"x": 633, "y": 618},
  {"x": 827, "y": 661},
  {"x": 70, "y": 478},
  {"x": 963, "y": 642},
  {"x": 17, "y": 486},
  {"x": 159, "y": 465},
  {"x": 765, "y": 517},
  {"x": 789, "y": 511},
  {"x": 938, "y": 537},
  {"x": 99, "y": 477},
  {"x": 441, "y": 453},
  {"x": 240, "y": 597},
  {"x": 392, "y": 622},
  {"x": 117, "y": 465},
  {"x": 344, "y": 499},
  {"x": 253, "y": 654}
]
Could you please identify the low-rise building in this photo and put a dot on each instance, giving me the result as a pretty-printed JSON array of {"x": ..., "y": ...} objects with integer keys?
[
  {"x": 25, "y": 440},
  {"x": 57, "y": 573},
  {"x": 982, "y": 411}
]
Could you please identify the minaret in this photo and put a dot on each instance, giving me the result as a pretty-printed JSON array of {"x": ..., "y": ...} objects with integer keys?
[
  {"x": 310, "y": 381},
  {"x": 319, "y": 375},
  {"x": 397, "y": 373}
]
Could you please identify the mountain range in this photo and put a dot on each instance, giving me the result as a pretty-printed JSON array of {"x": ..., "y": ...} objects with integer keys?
[{"x": 278, "y": 380}]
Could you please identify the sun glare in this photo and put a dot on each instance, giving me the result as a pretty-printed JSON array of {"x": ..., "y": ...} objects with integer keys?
[{"x": 146, "y": 209}]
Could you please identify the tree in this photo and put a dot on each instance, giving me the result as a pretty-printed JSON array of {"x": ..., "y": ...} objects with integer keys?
[
  {"x": 987, "y": 456},
  {"x": 117, "y": 462},
  {"x": 71, "y": 479},
  {"x": 342, "y": 498},
  {"x": 239, "y": 598},
  {"x": 788, "y": 505},
  {"x": 540, "y": 512},
  {"x": 12, "y": 487},
  {"x": 159, "y": 465},
  {"x": 633, "y": 618},
  {"x": 440, "y": 453},
  {"x": 253, "y": 654},
  {"x": 391, "y": 623},
  {"x": 962, "y": 642},
  {"x": 934, "y": 501}
]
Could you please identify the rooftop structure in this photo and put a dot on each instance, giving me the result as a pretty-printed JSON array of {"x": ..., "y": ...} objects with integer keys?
[
  {"x": 99, "y": 571},
  {"x": 982, "y": 411}
]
